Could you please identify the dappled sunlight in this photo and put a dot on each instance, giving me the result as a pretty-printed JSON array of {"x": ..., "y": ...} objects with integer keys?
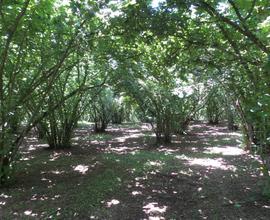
[
  {"x": 5, "y": 196},
  {"x": 30, "y": 213},
  {"x": 235, "y": 134},
  {"x": 129, "y": 136},
  {"x": 3, "y": 199},
  {"x": 56, "y": 155},
  {"x": 225, "y": 150},
  {"x": 123, "y": 150},
  {"x": 45, "y": 179},
  {"x": 32, "y": 139},
  {"x": 35, "y": 145},
  {"x": 183, "y": 157},
  {"x": 32, "y": 147},
  {"x": 40, "y": 146},
  {"x": 139, "y": 185},
  {"x": 219, "y": 136},
  {"x": 156, "y": 218},
  {"x": 25, "y": 158},
  {"x": 212, "y": 132},
  {"x": 57, "y": 172},
  {"x": 154, "y": 163},
  {"x": 135, "y": 131},
  {"x": 188, "y": 172},
  {"x": 218, "y": 163},
  {"x": 266, "y": 206},
  {"x": 138, "y": 178},
  {"x": 167, "y": 151},
  {"x": 130, "y": 127},
  {"x": 135, "y": 193},
  {"x": 145, "y": 180},
  {"x": 159, "y": 191},
  {"x": 36, "y": 197},
  {"x": 154, "y": 209},
  {"x": 97, "y": 142},
  {"x": 81, "y": 168},
  {"x": 203, "y": 216},
  {"x": 112, "y": 203},
  {"x": 210, "y": 163}
]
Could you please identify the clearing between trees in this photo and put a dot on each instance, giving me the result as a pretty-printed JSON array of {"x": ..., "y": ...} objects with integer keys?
[{"x": 122, "y": 174}]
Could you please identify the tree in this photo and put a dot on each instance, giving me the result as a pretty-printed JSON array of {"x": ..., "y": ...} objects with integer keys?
[{"x": 34, "y": 51}]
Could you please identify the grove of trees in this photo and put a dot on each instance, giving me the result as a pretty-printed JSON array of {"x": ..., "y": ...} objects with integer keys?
[{"x": 114, "y": 61}]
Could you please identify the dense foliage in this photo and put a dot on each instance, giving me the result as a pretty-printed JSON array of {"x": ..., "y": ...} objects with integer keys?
[{"x": 183, "y": 60}]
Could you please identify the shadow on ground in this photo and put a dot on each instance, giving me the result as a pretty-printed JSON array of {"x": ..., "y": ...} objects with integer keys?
[{"x": 122, "y": 175}]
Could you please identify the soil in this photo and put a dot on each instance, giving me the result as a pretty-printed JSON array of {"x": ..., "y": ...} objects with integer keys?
[{"x": 203, "y": 174}]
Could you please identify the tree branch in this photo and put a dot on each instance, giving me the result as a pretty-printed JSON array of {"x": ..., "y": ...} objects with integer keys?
[{"x": 246, "y": 32}]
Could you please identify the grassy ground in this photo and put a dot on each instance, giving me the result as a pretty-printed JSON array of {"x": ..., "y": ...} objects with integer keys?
[{"x": 123, "y": 175}]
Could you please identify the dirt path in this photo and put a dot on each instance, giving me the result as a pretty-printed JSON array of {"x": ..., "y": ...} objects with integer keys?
[{"x": 123, "y": 175}]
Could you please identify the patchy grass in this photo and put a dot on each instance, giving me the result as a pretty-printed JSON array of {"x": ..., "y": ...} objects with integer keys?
[
  {"x": 139, "y": 162},
  {"x": 58, "y": 191},
  {"x": 178, "y": 181},
  {"x": 98, "y": 137}
]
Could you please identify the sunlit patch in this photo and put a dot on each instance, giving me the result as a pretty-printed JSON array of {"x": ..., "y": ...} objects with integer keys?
[
  {"x": 2, "y": 195},
  {"x": 42, "y": 145},
  {"x": 44, "y": 198},
  {"x": 212, "y": 163},
  {"x": 76, "y": 138},
  {"x": 124, "y": 138},
  {"x": 168, "y": 151},
  {"x": 56, "y": 197},
  {"x": 113, "y": 202},
  {"x": 182, "y": 157},
  {"x": 30, "y": 213},
  {"x": 32, "y": 147},
  {"x": 156, "y": 218},
  {"x": 2, "y": 203},
  {"x": 81, "y": 169},
  {"x": 58, "y": 212},
  {"x": 57, "y": 172},
  {"x": 27, "y": 212},
  {"x": 159, "y": 191},
  {"x": 122, "y": 150},
  {"x": 138, "y": 184},
  {"x": 154, "y": 163},
  {"x": 154, "y": 208},
  {"x": 202, "y": 214},
  {"x": 266, "y": 206},
  {"x": 34, "y": 197},
  {"x": 54, "y": 156},
  {"x": 45, "y": 179},
  {"x": 57, "y": 155},
  {"x": 154, "y": 172},
  {"x": 135, "y": 193},
  {"x": 234, "y": 175},
  {"x": 188, "y": 172},
  {"x": 227, "y": 150},
  {"x": 25, "y": 158},
  {"x": 141, "y": 178}
]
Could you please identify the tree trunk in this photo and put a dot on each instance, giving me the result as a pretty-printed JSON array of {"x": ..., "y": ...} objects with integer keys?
[{"x": 100, "y": 126}]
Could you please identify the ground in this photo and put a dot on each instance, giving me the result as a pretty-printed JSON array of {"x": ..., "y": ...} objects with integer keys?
[{"x": 123, "y": 174}]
